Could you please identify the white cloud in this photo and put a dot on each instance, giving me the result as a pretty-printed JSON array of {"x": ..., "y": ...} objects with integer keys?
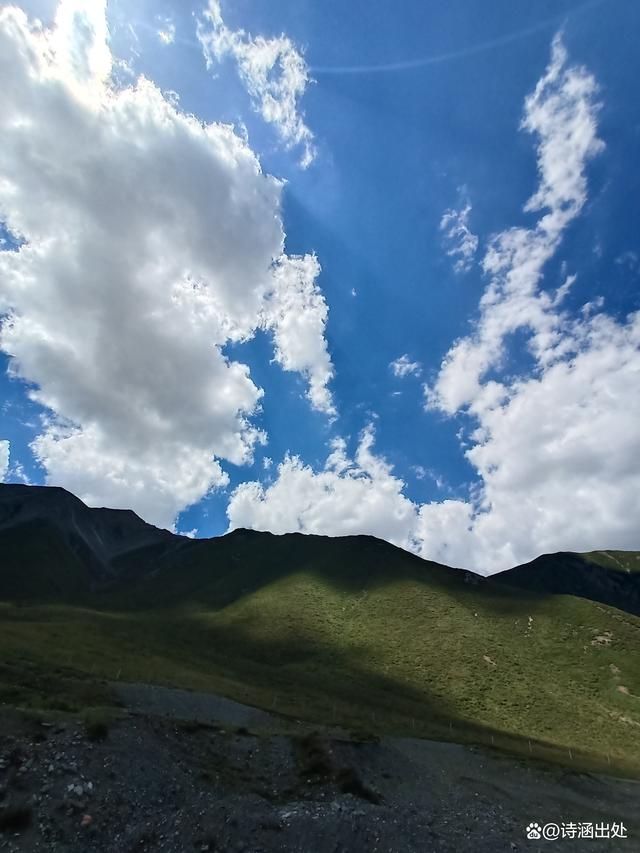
[
  {"x": 403, "y": 366},
  {"x": 350, "y": 496},
  {"x": 167, "y": 32},
  {"x": 172, "y": 97},
  {"x": 79, "y": 43},
  {"x": 566, "y": 439},
  {"x": 422, "y": 473},
  {"x": 151, "y": 241},
  {"x": 557, "y": 438},
  {"x": 296, "y": 312},
  {"x": 17, "y": 473},
  {"x": 4, "y": 459},
  {"x": 460, "y": 242},
  {"x": 560, "y": 459},
  {"x": 190, "y": 534},
  {"x": 358, "y": 495},
  {"x": 562, "y": 112},
  {"x": 272, "y": 70},
  {"x": 629, "y": 260},
  {"x": 557, "y": 452}
]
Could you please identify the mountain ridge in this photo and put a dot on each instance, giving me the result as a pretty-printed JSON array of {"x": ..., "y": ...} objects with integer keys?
[
  {"x": 96, "y": 535},
  {"x": 114, "y": 547}
]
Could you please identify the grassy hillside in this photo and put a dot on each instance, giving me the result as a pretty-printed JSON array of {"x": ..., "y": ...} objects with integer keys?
[
  {"x": 426, "y": 655},
  {"x": 349, "y": 630},
  {"x": 624, "y": 561}
]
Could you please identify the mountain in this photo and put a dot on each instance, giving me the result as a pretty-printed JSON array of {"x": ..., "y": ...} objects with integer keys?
[
  {"x": 347, "y": 629},
  {"x": 610, "y": 577},
  {"x": 52, "y": 543}
]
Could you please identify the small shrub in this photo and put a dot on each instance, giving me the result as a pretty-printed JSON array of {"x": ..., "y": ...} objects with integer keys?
[
  {"x": 192, "y": 726},
  {"x": 189, "y": 727},
  {"x": 360, "y": 736},
  {"x": 314, "y": 757},
  {"x": 97, "y": 722},
  {"x": 349, "y": 782}
]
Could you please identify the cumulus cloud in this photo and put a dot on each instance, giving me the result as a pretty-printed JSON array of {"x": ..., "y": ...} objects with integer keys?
[
  {"x": 359, "y": 495},
  {"x": 557, "y": 451},
  {"x": 461, "y": 244},
  {"x": 560, "y": 458},
  {"x": 403, "y": 366},
  {"x": 350, "y": 496},
  {"x": 273, "y": 71},
  {"x": 149, "y": 241},
  {"x": 4, "y": 459},
  {"x": 296, "y": 312}
]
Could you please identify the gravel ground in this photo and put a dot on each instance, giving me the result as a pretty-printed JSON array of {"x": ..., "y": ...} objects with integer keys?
[
  {"x": 191, "y": 705},
  {"x": 159, "y": 784}
]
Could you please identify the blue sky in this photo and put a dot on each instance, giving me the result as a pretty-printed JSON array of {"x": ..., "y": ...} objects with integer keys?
[{"x": 416, "y": 373}]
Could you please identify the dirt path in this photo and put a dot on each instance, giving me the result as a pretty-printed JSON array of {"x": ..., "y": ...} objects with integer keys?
[{"x": 191, "y": 705}]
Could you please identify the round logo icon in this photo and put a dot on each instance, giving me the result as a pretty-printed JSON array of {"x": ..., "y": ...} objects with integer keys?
[{"x": 534, "y": 831}]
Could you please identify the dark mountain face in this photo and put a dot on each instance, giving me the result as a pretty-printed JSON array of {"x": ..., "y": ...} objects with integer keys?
[
  {"x": 53, "y": 546},
  {"x": 598, "y": 576},
  {"x": 38, "y": 523}
]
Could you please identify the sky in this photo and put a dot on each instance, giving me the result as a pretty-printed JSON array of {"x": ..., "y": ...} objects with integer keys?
[{"x": 328, "y": 267}]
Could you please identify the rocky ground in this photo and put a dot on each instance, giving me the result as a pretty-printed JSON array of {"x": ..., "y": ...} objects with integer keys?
[{"x": 146, "y": 782}]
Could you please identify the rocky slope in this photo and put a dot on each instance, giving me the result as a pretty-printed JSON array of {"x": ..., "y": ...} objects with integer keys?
[{"x": 150, "y": 783}]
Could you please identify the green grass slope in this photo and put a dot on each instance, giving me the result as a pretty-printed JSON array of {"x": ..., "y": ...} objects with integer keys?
[
  {"x": 357, "y": 632},
  {"x": 624, "y": 561},
  {"x": 350, "y": 630}
]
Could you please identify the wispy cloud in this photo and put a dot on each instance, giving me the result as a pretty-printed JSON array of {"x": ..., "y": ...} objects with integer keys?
[
  {"x": 629, "y": 260},
  {"x": 460, "y": 242},
  {"x": 273, "y": 71},
  {"x": 17, "y": 472},
  {"x": 403, "y": 366},
  {"x": 562, "y": 113},
  {"x": 167, "y": 31},
  {"x": 4, "y": 459}
]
